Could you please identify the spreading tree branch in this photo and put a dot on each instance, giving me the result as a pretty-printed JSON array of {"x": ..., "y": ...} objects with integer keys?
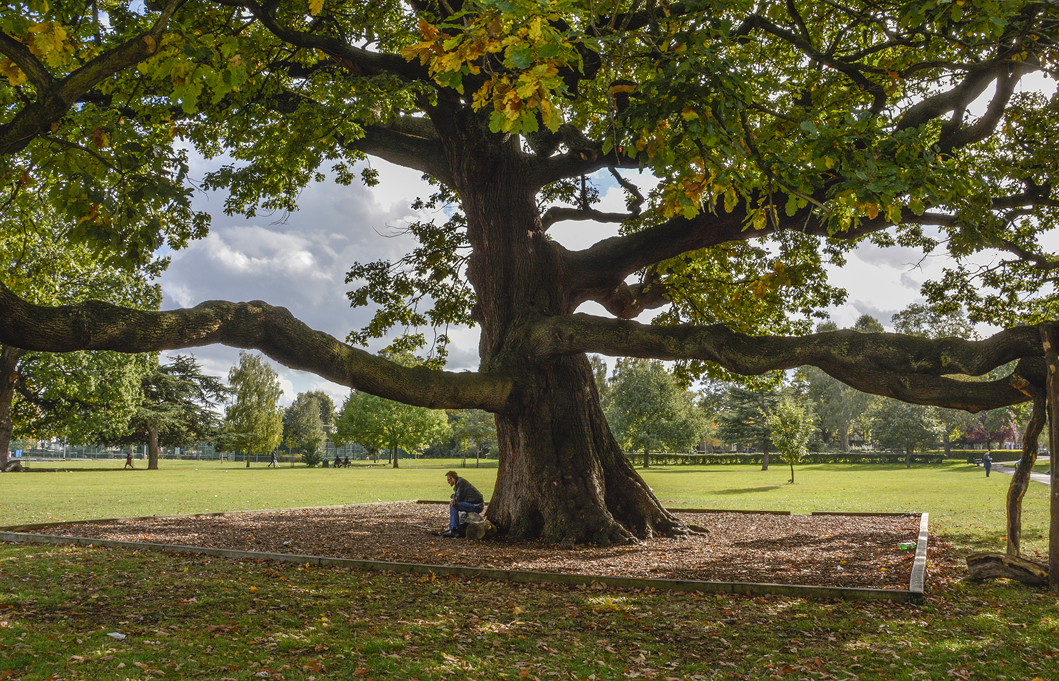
[
  {"x": 907, "y": 368},
  {"x": 561, "y": 213},
  {"x": 55, "y": 96},
  {"x": 95, "y": 325},
  {"x": 357, "y": 61},
  {"x": 17, "y": 52},
  {"x": 405, "y": 145},
  {"x": 601, "y": 269}
]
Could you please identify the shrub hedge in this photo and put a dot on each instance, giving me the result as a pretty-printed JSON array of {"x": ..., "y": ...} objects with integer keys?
[{"x": 724, "y": 458}]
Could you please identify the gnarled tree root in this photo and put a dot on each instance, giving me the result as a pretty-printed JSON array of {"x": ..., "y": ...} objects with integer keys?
[{"x": 996, "y": 565}]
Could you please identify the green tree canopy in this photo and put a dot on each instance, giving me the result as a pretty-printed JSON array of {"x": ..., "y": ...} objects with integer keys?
[
  {"x": 253, "y": 422},
  {"x": 377, "y": 423},
  {"x": 905, "y": 427},
  {"x": 303, "y": 426},
  {"x": 934, "y": 321},
  {"x": 775, "y": 137},
  {"x": 648, "y": 410},
  {"x": 839, "y": 407},
  {"x": 792, "y": 425},
  {"x": 743, "y": 418},
  {"x": 475, "y": 429},
  {"x": 81, "y": 395},
  {"x": 179, "y": 408}
]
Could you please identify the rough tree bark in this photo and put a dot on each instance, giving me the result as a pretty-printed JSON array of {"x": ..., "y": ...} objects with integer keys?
[
  {"x": 9, "y": 358},
  {"x": 1051, "y": 359},
  {"x": 152, "y": 446},
  {"x": 1021, "y": 479},
  {"x": 562, "y": 474}
]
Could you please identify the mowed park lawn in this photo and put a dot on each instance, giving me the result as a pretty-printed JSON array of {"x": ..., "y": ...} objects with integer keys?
[{"x": 200, "y": 617}]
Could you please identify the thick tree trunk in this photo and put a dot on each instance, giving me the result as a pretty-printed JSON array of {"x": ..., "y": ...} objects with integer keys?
[
  {"x": 1051, "y": 359},
  {"x": 1021, "y": 479},
  {"x": 646, "y": 457},
  {"x": 395, "y": 464},
  {"x": 946, "y": 444},
  {"x": 561, "y": 473},
  {"x": 843, "y": 439},
  {"x": 9, "y": 358},
  {"x": 765, "y": 458},
  {"x": 152, "y": 447}
]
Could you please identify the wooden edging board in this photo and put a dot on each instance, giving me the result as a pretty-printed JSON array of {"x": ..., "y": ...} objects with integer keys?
[{"x": 914, "y": 593}]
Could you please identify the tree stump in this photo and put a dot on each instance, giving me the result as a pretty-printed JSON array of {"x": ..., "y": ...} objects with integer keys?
[
  {"x": 480, "y": 529},
  {"x": 996, "y": 565}
]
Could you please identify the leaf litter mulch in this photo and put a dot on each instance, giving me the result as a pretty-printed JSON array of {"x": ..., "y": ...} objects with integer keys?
[{"x": 823, "y": 550}]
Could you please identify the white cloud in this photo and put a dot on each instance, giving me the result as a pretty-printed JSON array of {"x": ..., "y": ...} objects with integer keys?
[
  {"x": 299, "y": 261},
  {"x": 908, "y": 281},
  {"x": 898, "y": 257},
  {"x": 337, "y": 393}
]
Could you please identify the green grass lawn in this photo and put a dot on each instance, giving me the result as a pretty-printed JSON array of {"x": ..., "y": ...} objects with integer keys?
[
  {"x": 958, "y": 496},
  {"x": 102, "y": 489},
  {"x": 197, "y": 617}
]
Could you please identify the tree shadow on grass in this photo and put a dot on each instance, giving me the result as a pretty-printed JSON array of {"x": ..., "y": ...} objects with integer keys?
[{"x": 747, "y": 490}]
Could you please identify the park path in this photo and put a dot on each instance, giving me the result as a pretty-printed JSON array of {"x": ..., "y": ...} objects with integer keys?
[{"x": 1034, "y": 475}]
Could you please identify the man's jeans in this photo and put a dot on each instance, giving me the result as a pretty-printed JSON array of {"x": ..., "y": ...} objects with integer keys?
[{"x": 454, "y": 511}]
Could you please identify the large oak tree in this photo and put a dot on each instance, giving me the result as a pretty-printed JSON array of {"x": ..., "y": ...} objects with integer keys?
[{"x": 776, "y": 136}]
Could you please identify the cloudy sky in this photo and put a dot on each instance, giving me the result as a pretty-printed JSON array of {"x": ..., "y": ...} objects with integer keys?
[{"x": 299, "y": 261}]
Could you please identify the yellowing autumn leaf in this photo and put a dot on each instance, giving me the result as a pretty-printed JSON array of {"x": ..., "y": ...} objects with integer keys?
[
  {"x": 315, "y": 7},
  {"x": 49, "y": 43},
  {"x": 551, "y": 116},
  {"x": 13, "y": 74}
]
